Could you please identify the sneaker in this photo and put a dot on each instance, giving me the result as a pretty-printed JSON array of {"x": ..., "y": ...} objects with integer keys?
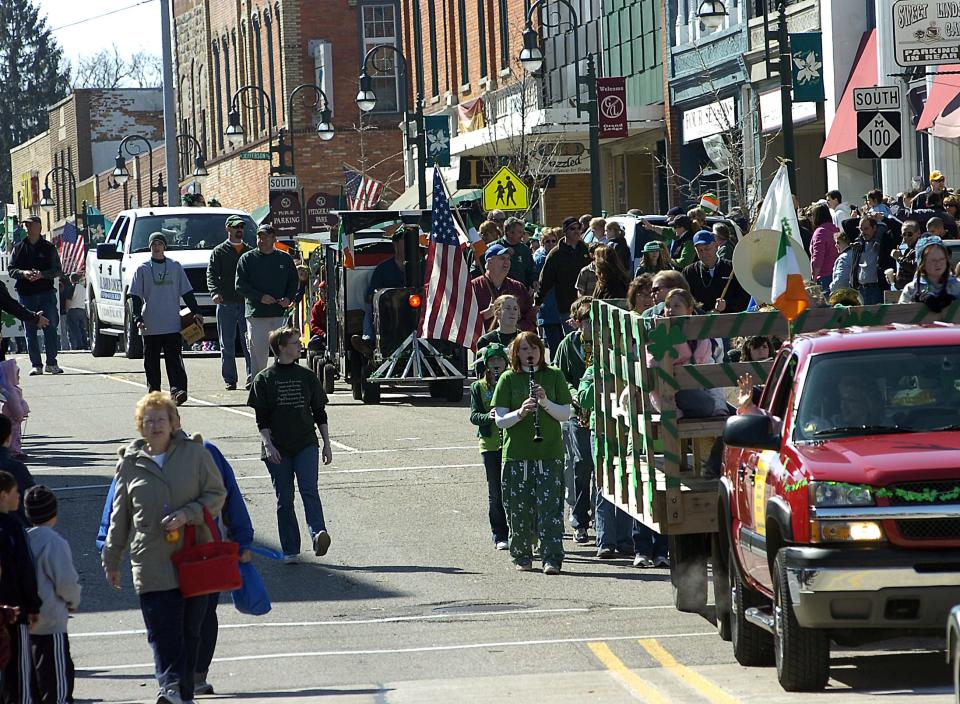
[
  {"x": 291, "y": 559},
  {"x": 36, "y": 371},
  {"x": 179, "y": 397},
  {"x": 169, "y": 695},
  {"x": 362, "y": 345},
  {"x": 606, "y": 553},
  {"x": 203, "y": 687},
  {"x": 642, "y": 561},
  {"x": 661, "y": 562},
  {"x": 524, "y": 567},
  {"x": 231, "y": 386},
  {"x": 580, "y": 535},
  {"x": 321, "y": 543},
  {"x": 502, "y": 545},
  {"x": 52, "y": 369},
  {"x": 551, "y": 568}
]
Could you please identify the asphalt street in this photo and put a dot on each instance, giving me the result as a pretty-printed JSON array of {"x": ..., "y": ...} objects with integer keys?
[{"x": 412, "y": 603}]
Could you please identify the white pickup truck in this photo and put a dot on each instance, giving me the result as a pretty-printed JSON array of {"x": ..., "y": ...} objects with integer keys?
[{"x": 191, "y": 234}]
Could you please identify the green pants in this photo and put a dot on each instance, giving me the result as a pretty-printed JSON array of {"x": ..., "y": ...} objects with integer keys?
[{"x": 533, "y": 499}]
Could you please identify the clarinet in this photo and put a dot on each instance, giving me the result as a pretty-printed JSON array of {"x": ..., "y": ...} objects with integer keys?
[{"x": 537, "y": 437}]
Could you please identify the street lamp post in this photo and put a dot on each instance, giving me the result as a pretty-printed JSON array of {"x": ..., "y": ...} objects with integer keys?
[
  {"x": 46, "y": 201},
  {"x": 531, "y": 58},
  {"x": 134, "y": 145},
  {"x": 367, "y": 101},
  {"x": 325, "y": 130},
  {"x": 234, "y": 132},
  {"x": 712, "y": 14},
  {"x": 184, "y": 144}
]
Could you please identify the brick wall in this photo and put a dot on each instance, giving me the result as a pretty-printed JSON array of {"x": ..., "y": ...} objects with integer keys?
[{"x": 568, "y": 197}]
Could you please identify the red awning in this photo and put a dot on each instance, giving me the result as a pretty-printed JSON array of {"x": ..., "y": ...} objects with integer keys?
[
  {"x": 843, "y": 132},
  {"x": 940, "y": 115}
]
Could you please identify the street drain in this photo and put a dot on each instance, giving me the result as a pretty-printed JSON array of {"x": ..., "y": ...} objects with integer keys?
[{"x": 477, "y": 608}]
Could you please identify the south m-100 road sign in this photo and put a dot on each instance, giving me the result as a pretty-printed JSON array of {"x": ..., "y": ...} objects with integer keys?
[{"x": 879, "y": 122}]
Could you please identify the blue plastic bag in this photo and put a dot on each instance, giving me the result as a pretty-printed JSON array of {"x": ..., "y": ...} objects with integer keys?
[{"x": 252, "y": 597}]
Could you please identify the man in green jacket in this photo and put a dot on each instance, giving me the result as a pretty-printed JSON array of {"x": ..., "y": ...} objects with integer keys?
[
  {"x": 267, "y": 280},
  {"x": 221, "y": 282}
]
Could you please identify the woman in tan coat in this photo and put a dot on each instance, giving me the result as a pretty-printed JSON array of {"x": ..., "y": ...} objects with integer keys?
[{"x": 164, "y": 481}]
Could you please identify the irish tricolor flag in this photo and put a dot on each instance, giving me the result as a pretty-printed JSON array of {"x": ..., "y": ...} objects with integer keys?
[{"x": 789, "y": 292}]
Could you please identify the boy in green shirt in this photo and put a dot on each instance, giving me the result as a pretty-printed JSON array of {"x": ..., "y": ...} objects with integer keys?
[{"x": 494, "y": 360}]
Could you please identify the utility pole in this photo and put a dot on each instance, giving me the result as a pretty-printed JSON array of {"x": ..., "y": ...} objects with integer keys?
[{"x": 169, "y": 112}]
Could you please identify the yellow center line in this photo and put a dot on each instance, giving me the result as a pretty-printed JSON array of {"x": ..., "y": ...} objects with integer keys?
[
  {"x": 638, "y": 686},
  {"x": 707, "y": 689}
]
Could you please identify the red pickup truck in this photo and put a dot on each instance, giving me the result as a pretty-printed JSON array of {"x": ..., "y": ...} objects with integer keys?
[{"x": 839, "y": 504}]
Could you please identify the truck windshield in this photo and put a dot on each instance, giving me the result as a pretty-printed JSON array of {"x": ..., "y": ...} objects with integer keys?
[
  {"x": 187, "y": 231},
  {"x": 872, "y": 392}
]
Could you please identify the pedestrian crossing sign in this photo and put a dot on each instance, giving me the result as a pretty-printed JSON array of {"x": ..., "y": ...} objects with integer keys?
[{"x": 506, "y": 191}]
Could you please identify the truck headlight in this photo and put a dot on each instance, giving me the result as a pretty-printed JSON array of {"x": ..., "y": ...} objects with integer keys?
[
  {"x": 846, "y": 531},
  {"x": 829, "y": 494}
]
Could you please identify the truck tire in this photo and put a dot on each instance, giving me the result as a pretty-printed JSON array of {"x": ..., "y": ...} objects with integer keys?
[
  {"x": 100, "y": 345},
  {"x": 752, "y": 646},
  {"x": 721, "y": 586},
  {"x": 329, "y": 377},
  {"x": 454, "y": 391},
  {"x": 132, "y": 339},
  {"x": 436, "y": 389},
  {"x": 688, "y": 571},
  {"x": 802, "y": 655}
]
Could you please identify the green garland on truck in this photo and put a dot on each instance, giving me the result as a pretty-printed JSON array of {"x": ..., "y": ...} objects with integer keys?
[{"x": 926, "y": 495}]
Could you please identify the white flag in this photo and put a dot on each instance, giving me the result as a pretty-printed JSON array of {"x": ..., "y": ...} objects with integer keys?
[{"x": 778, "y": 212}]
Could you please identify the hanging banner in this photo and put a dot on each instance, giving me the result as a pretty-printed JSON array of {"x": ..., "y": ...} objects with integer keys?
[
  {"x": 612, "y": 102},
  {"x": 437, "y": 129},
  {"x": 807, "y": 51},
  {"x": 285, "y": 213},
  {"x": 318, "y": 209}
]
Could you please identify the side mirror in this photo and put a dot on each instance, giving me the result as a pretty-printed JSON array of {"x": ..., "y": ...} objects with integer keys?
[
  {"x": 108, "y": 250},
  {"x": 751, "y": 432}
]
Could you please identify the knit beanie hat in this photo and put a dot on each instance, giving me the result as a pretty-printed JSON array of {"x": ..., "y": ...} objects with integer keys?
[
  {"x": 40, "y": 504},
  {"x": 709, "y": 202}
]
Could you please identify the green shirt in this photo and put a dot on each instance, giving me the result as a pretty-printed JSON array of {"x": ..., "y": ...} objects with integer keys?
[
  {"x": 512, "y": 390},
  {"x": 290, "y": 401},
  {"x": 480, "y": 397},
  {"x": 259, "y": 274},
  {"x": 570, "y": 359},
  {"x": 586, "y": 398}
]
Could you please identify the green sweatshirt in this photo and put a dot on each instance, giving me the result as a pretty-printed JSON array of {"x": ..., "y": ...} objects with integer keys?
[
  {"x": 512, "y": 390},
  {"x": 480, "y": 397},
  {"x": 259, "y": 274},
  {"x": 222, "y": 271},
  {"x": 570, "y": 360}
]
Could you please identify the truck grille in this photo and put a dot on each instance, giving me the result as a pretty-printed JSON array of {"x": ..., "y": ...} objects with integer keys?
[
  {"x": 938, "y": 529},
  {"x": 197, "y": 276}
]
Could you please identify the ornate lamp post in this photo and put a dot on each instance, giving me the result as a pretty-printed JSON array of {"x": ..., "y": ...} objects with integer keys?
[
  {"x": 325, "y": 128},
  {"x": 184, "y": 144},
  {"x": 134, "y": 145},
  {"x": 234, "y": 132}
]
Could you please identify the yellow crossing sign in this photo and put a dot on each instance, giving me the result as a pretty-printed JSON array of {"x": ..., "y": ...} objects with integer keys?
[{"x": 506, "y": 191}]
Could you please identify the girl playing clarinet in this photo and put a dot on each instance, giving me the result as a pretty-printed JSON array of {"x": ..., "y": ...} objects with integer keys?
[{"x": 530, "y": 401}]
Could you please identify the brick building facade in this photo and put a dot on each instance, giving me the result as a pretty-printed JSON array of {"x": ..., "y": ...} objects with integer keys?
[{"x": 222, "y": 45}]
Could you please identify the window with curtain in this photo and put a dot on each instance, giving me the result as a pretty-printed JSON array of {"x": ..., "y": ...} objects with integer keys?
[{"x": 379, "y": 29}]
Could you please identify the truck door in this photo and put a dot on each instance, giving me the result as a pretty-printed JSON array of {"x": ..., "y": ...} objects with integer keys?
[{"x": 110, "y": 277}]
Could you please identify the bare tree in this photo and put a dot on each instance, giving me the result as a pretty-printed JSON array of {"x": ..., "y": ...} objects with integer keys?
[{"x": 109, "y": 69}]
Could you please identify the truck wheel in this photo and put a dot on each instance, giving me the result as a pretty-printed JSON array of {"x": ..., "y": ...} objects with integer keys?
[
  {"x": 802, "y": 654},
  {"x": 329, "y": 377},
  {"x": 721, "y": 586},
  {"x": 454, "y": 391},
  {"x": 688, "y": 571},
  {"x": 100, "y": 345},
  {"x": 436, "y": 389},
  {"x": 133, "y": 340},
  {"x": 752, "y": 646}
]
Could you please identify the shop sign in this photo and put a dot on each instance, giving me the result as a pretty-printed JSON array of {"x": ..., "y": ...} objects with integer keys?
[
  {"x": 612, "y": 105},
  {"x": 285, "y": 213},
  {"x": 555, "y": 158},
  {"x": 926, "y": 32},
  {"x": 707, "y": 120},
  {"x": 771, "y": 112}
]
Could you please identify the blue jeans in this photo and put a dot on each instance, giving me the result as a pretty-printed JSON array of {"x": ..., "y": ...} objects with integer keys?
[
  {"x": 614, "y": 527},
  {"x": 173, "y": 631},
  {"x": 493, "y": 464},
  {"x": 824, "y": 282},
  {"x": 648, "y": 542},
  {"x": 77, "y": 328},
  {"x": 46, "y": 303},
  {"x": 872, "y": 294},
  {"x": 579, "y": 467},
  {"x": 304, "y": 466},
  {"x": 230, "y": 319}
]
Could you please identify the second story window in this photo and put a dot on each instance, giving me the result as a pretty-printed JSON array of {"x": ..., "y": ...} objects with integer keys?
[
  {"x": 464, "y": 43},
  {"x": 380, "y": 28}
]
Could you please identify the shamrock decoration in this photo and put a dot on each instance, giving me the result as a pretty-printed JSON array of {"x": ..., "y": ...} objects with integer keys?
[
  {"x": 864, "y": 319},
  {"x": 809, "y": 67},
  {"x": 663, "y": 341}
]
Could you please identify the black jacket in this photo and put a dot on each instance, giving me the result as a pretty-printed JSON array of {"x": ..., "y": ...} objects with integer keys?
[
  {"x": 18, "y": 576},
  {"x": 24, "y": 481},
  {"x": 560, "y": 271},
  {"x": 884, "y": 257},
  {"x": 706, "y": 289},
  {"x": 41, "y": 256},
  {"x": 9, "y": 304}
]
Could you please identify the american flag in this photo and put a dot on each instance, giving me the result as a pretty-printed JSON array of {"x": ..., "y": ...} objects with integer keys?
[
  {"x": 363, "y": 192},
  {"x": 450, "y": 311},
  {"x": 72, "y": 250}
]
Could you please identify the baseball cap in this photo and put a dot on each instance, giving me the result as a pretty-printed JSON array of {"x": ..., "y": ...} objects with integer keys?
[
  {"x": 936, "y": 176},
  {"x": 496, "y": 250},
  {"x": 651, "y": 247},
  {"x": 567, "y": 222},
  {"x": 683, "y": 221},
  {"x": 32, "y": 218},
  {"x": 703, "y": 237},
  {"x": 266, "y": 228},
  {"x": 235, "y": 221},
  {"x": 157, "y": 237}
]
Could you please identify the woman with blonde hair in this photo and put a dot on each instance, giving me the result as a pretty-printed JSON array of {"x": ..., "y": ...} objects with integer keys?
[
  {"x": 165, "y": 481},
  {"x": 531, "y": 400},
  {"x": 506, "y": 317}
]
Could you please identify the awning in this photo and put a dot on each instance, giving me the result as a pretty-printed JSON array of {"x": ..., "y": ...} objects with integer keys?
[
  {"x": 410, "y": 198},
  {"x": 843, "y": 131},
  {"x": 941, "y": 113}
]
